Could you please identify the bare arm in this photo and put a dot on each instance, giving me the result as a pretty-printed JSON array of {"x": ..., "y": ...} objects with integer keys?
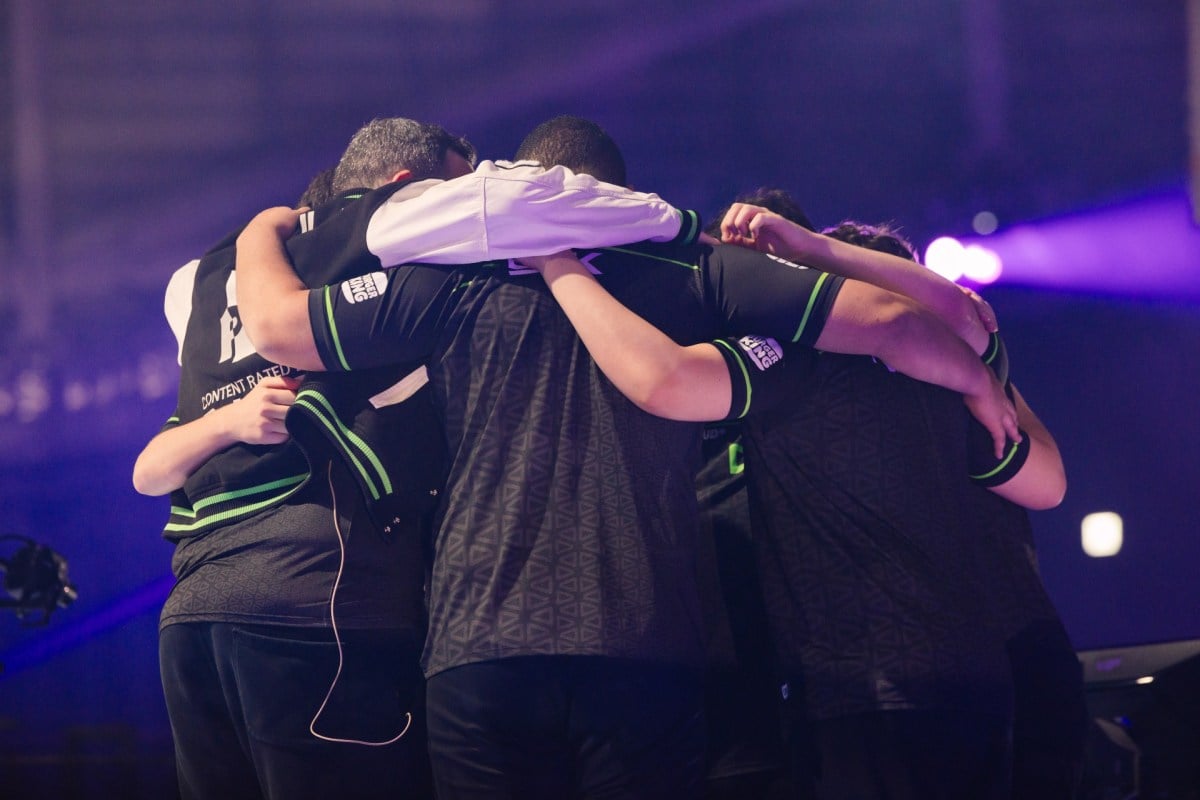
[
  {"x": 692, "y": 383},
  {"x": 757, "y": 228},
  {"x": 272, "y": 300},
  {"x": 1042, "y": 481},
  {"x": 868, "y": 320},
  {"x": 170, "y": 457},
  {"x": 658, "y": 375}
]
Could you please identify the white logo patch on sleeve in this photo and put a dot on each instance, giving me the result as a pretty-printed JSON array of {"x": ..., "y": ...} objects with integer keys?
[
  {"x": 764, "y": 351},
  {"x": 774, "y": 257},
  {"x": 364, "y": 287}
]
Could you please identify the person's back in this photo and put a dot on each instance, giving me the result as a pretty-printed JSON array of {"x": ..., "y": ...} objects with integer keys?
[
  {"x": 564, "y": 560},
  {"x": 857, "y": 487},
  {"x": 299, "y": 599},
  {"x": 569, "y": 533}
]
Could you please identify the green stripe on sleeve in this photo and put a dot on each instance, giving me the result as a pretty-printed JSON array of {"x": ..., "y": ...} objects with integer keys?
[
  {"x": 812, "y": 302},
  {"x": 333, "y": 332},
  {"x": 745, "y": 374},
  {"x": 999, "y": 467}
]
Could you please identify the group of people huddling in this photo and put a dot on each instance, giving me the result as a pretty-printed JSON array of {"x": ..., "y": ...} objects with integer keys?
[{"x": 502, "y": 480}]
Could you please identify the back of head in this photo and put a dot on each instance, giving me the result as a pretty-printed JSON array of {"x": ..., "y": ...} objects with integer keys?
[
  {"x": 577, "y": 144},
  {"x": 883, "y": 238},
  {"x": 319, "y": 190},
  {"x": 383, "y": 147},
  {"x": 778, "y": 200}
]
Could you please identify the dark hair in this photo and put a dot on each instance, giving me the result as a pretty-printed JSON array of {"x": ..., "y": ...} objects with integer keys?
[
  {"x": 383, "y": 147},
  {"x": 882, "y": 237},
  {"x": 577, "y": 144},
  {"x": 778, "y": 200},
  {"x": 319, "y": 191}
]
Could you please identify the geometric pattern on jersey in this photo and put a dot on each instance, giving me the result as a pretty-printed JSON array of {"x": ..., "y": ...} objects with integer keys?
[
  {"x": 858, "y": 494},
  {"x": 569, "y": 517}
]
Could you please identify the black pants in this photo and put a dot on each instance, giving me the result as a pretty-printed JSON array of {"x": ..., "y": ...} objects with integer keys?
[
  {"x": 902, "y": 755},
  {"x": 241, "y": 698},
  {"x": 562, "y": 727},
  {"x": 1050, "y": 716}
]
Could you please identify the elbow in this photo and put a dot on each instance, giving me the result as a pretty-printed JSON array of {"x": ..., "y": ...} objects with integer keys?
[
  {"x": 652, "y": 396},
  {"x": 659, "y": 394},
  {"x": 1054, "y": 490},
  {"x": 147, "y": 483},
  {"x": 897, "y": 328},
  {"x": 1049, "y": 493},
  {"x": 270, "y": 341}
]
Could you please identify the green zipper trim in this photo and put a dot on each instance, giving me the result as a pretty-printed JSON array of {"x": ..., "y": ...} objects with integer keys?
[{"x": 348, "y": 439}]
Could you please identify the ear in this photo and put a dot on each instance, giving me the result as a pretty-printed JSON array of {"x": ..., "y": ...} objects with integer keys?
[{"x": 402, "y": 175}]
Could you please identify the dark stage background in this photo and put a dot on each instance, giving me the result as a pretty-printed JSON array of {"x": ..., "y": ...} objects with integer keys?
[{"x": 136, "y": 132}]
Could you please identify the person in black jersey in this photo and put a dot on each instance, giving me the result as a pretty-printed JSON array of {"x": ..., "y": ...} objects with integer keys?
[
  {"x": 928, "y": 715},
  {"x": 264, "y": 698},
  {"x": 1050, "y": 716},
  {"x": 744, "y": 756},
  {"x": 564, "y": 638}
]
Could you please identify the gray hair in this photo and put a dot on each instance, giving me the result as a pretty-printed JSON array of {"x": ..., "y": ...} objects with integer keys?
[{"x": 383, "y": 147}]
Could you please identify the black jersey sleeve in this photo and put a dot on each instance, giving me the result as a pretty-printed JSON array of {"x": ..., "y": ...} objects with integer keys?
[
  {"x": 985, "y": 469},
  {"x": 768, "y": 295},
  {"x": 983, "y": 466},
  {"x": 996, "y": 357},
  {"x": 762, "y": 373},
  {"x": 382, "y": 317}
]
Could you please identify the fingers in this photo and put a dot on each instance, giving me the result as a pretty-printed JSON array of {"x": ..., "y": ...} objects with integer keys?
[
  {"x": 754, "y": 227},
  {"x": 735, "y": 227},
  {"x": 984, "y": 310},
  {"x": 1007, "y": 430}
]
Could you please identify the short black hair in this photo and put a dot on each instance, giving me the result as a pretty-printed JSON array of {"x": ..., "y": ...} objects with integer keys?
[
  {"x": 319, "y": 191},
  {"x": 575, "y": 143},
  {"x": 884, "y": 237}
]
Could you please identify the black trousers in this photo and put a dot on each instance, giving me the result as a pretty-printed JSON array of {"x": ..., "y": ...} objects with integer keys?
[
  {"x": 562, "y": 727},
  {"x": 241, "y": 699},
  {"x": 902, "y": 755}
]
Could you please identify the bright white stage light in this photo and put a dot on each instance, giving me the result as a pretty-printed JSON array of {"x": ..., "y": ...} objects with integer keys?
[
  {"x": 1102, "y": 534},
  {"x": 980, "y": 264},
  {"x": 945, "y": 255}
]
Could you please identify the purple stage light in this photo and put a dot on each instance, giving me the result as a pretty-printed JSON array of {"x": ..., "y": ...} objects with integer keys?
[
  {"x": 1148, "y": 247},
  {"x": 76, "y": 632},
  {"x": 953, "y": 260}
]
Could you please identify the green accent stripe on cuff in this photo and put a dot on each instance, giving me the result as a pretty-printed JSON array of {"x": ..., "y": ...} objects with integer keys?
[
  {"x": 1012, "y": 452},
  {"x": 349, "y": 441},
  {"x": 745, "y": 375}
]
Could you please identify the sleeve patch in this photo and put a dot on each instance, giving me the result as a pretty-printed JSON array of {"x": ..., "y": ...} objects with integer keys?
[
  {"x": 763, "y": 352},
  {"x": 364, "y": 287}
]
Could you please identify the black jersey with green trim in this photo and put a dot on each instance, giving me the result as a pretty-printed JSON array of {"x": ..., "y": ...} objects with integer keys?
[
  {"x": 218, "y": 365},
  {"x": 860, "y": 501},
  {"x": 570, "y": 515},
  {"x": 254, "y": 526}
]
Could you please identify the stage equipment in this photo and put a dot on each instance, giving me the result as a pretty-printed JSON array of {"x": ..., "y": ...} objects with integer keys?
[{"x": 36, "y": 580}]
